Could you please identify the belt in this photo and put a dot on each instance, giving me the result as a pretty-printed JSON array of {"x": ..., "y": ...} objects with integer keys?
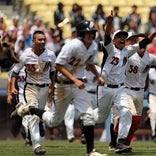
[
  {"x": 114, "y": 86},
  {"x": 38, "y": 85},
  {"x": 91, "y": 92},
  {"x": 64, "y": 82},
  {"x": 136, "y": 89},
  {"x": 67, "y": 82}
]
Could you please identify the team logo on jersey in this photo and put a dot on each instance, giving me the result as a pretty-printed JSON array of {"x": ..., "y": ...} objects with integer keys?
[
  {"x": 146, "y": 69},
  {"x": 152, "y": 82},
  {"x": 124, "y": 61}
]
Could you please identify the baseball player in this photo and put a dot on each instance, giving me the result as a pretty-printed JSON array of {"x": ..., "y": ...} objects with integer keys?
[
  {"x": 152, "y": 100},
  {"x": 114, "y": 91},
  {"x": 72, "y": 114},
  {"x": 136, "y": 74},
  {"x": 39, "y": 64},
  {"x": 20, "y": 98},
  {"x": 69, "y": 84}
]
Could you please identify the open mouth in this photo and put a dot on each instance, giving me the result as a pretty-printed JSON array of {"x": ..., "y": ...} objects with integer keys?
[{"x": 122, "y": 42}]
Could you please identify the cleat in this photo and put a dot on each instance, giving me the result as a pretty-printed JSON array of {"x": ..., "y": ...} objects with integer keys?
[
  {"x": 39, "y": 150},
  {"x": 71, "y": 139},
  {"x": 112, "y": 147},
  {"x": 121, "y": 148}
]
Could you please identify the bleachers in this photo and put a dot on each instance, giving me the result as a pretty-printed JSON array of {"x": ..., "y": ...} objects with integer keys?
[
  {"x": 46, "y": 8},
  {"x": 107, "y": 4}
]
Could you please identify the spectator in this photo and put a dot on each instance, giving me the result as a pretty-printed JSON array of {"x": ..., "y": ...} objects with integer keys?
[
  {"x": 99, "y": 15},
  {"x": 15, "y": 28},
  {"x": 133, "y": 20},
  {"x": 37, "y": 25},
  {"x": 77, "y": 17},
  {"x": 59, "y": 15},
  {"x": 117, "y": 20},
  {"x": 73, "y": 11},
  {"x": 150, "y": 26},
  {"x": 3, "y": 25}
]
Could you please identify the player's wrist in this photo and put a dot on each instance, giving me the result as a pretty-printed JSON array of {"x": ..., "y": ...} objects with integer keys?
[{"x": 50, "y": 85}]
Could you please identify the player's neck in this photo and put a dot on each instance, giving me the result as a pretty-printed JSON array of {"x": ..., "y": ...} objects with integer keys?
[{"x": 38, "y": 51}]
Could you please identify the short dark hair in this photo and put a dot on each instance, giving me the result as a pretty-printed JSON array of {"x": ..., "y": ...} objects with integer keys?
[
  {"x": 116, "y": 8},
  {"x": 37, "y": 32}
]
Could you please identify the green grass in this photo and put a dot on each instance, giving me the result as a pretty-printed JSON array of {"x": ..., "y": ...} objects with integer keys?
[{"x": 64, "y": 148}]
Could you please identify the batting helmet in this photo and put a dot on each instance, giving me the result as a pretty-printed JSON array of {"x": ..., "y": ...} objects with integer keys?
[{"x": 85, "y": 26}]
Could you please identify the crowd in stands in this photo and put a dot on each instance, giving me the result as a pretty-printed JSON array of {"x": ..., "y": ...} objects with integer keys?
[{"x": 12, "y": 34}]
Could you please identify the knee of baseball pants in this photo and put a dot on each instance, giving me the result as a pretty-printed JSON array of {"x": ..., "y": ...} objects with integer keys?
[{"x": 88, "y": 119}]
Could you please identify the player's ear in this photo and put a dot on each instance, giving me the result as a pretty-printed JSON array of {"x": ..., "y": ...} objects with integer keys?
[{"x": 32, "y": 43}]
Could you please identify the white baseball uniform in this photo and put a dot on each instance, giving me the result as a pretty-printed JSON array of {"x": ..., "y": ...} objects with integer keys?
[
  {"x": 114, "y": 91},
  {"x": 20, "y": 97},
  {"x": 38, "y": 69},
  {"x": 136, "y": 74},
  {"x": 74, "y": 58},
  {"x": 152, "y": 100}
]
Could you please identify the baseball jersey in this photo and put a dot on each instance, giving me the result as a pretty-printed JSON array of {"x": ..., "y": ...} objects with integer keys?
[
  {"x": 138, "y": 68},
  {"x": 37, "y": 67},
  {"x": 75, "y": 57},
  {"x": 152, "y": 80},
  {"x": 115, "y": 65}
]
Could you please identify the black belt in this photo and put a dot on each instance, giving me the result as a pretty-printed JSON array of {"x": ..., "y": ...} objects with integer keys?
[
  {"x": 136, "y": 89},
  {"x": 67, "y": 82},
  {"x": 91, "y": 92},
  {"x": 64, "y": 82},
  {"x": 114, "y": 86},
  {"x": 38, "y": 85}
]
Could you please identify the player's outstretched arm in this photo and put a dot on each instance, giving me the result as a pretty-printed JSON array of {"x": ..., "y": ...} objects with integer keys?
[
  {"x": 151, "y": 36},
  {"x": 109, "y": 20},
  {"x": 147, "y": 40}
]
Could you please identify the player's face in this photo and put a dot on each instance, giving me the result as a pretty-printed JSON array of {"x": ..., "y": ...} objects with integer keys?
[
  {"x": 119, "y": 41},
  {"x": 88, "y": 38},
  {"x": 39, "y": 41},
  {"x": 131, "y": 41}
]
